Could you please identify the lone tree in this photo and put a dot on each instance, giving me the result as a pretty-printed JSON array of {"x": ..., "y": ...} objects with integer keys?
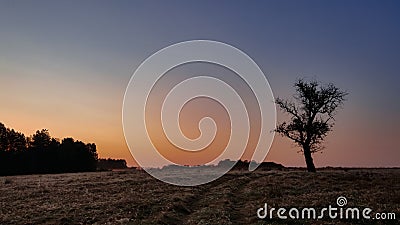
[{"x": 311, "y": 116}]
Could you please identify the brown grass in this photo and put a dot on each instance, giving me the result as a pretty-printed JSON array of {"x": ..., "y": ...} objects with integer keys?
[{"x": 133, "y": 197}]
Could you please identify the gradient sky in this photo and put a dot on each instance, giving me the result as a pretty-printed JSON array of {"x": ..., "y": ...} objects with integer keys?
[{"x": 64, "y": 65}]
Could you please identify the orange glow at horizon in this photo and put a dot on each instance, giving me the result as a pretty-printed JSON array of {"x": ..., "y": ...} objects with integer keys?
[
  {"x": 90, "y": 111},
  {"x": 92, "y": 120},
  {"x": 112, "y": 144}
]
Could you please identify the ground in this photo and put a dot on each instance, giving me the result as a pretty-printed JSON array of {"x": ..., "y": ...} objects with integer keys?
[{"x": 134, "y": 197}]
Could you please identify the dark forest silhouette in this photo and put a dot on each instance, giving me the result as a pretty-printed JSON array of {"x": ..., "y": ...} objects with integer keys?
[
  {"x": 312, "y": 116},
  {"x": 41, "y": 153}
]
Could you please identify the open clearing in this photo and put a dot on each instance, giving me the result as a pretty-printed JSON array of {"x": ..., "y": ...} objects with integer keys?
[{"x": 134, "y": 197}]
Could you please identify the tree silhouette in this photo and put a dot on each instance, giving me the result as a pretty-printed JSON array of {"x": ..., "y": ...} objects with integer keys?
[
  {"x": 16, "y": 141},
  {"x": 11, "y": 140},
  {"x": 42, "y": 153},
  {"x": 3, "y": 137},
  {"x": 78, "y": 156},
  {"x": 312, "y": 116},
  {"x": 41, "y": 139}
]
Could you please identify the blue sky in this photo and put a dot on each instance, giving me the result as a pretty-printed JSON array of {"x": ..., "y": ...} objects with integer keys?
[{"x": 66, "y": 63}]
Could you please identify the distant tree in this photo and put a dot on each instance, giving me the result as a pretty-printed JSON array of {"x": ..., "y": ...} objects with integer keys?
[
  {"x": 4, "y": 156},
  {"x": 11, "y": 140},
  {"x": 78, "y": 156},
  {"x": 40, "y": 157},
  {"x": 311, "y": 116},
  {"x": 41, "y": 139},
  {"x": 16, "y": 141},
  {"x": 3, "y": 138},
  {"x": 68, "y": 152},
  {"x": 12, "y": 147},
  {"x": 92, "y": 156}
]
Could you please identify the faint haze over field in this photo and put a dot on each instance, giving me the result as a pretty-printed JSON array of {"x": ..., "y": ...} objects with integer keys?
[{"x": 65, "y": 65}]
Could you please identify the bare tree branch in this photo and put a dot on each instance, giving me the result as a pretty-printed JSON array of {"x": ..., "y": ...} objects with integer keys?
[{"x": 313, "y": 118}]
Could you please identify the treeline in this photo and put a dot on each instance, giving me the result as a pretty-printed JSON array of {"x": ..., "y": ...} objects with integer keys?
[
  {"x": 41, "y": 153},
  {"x": 234, "y": 165},
  {"x": 111, "y": 164}
]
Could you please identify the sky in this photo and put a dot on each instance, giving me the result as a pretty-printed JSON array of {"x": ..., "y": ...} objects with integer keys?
[{"x": 65, "y": 65}]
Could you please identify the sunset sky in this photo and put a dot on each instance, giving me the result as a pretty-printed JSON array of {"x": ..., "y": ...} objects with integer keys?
[{"x": 64, "y": 65}]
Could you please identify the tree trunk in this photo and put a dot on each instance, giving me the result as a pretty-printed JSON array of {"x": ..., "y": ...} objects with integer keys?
[{"x": 309, "y": 159}]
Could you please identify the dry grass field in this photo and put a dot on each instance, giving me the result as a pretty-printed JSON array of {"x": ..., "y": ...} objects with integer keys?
[{"x": 133, "y": 197}]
